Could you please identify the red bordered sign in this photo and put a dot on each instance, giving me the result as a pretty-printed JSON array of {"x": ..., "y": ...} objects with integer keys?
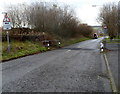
[
  {"x": 6, "y": 20},
  {"x": 6, "y": 23}
]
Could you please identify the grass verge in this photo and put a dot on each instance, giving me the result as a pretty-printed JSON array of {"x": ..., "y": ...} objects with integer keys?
[
  {"x": 73, "y": 41},
  {"x": 112, "y": 41},
  {"x": 20, "y": 49}
]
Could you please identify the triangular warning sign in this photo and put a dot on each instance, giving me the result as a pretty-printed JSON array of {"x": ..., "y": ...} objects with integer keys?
[{"x": 6, "y": 19}]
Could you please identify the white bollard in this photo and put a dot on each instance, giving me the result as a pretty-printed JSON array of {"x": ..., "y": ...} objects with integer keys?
[{"x": 101, "y": 47}]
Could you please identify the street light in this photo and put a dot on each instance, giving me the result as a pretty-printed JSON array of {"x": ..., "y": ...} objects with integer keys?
[{"x": 96, "y": 5}]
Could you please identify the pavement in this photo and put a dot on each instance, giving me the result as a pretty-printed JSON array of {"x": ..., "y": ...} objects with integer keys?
[
  {"x": 114, "y": 61},
  {"x": 76, "y": 68}
]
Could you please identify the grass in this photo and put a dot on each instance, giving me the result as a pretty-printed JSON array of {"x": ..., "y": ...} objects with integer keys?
[
  {"x": 20, "y": 49},
  {"x": 117, "y": 37},
  {"x": 115, "y": 40},
  {"x": 72, "y": 41}
]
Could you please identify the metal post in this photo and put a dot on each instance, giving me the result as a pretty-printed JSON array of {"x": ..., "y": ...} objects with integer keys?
[
  {"x": 104, "y": 42},
  {"x": 105, "y": 32},
  {"x": 8, "y": 41},
  {"x": 6, "y": 27}
]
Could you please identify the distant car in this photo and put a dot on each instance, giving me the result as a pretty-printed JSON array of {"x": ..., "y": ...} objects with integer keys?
[{"x": 95, "y": 36}]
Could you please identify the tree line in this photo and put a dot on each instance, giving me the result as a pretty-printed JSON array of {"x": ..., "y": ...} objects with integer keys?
[
  {"x": 48, "y": 17},
  {"x": 110, "y": 18}
]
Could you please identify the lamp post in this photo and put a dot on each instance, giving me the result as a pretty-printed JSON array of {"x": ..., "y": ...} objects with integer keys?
[{"x": 96, "y": 5}]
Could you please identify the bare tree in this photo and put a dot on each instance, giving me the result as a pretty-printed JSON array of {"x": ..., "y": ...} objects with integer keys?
[
  {"x": 119, "y": 18},
  {"x": 12, "y": 10},
  {"x": 108, "y": 16},
  {"x": 18, "y": 15},
  {"x": 46, "y": 17}
]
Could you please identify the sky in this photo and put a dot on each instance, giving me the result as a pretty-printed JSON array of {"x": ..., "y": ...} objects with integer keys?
[{"x": 83, "y": 8}]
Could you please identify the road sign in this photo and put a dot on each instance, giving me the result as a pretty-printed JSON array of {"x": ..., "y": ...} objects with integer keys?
[
  {"x": 6, "y": 19},
  {"x": 105, "y": 30},
  {"x": 7, "y": 26},
  {"x": 6, "y": 23}
]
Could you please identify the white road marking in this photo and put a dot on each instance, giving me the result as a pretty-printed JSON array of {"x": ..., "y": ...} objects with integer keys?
[
  {"x": 94, "y": 40},
  {"x": 68, "y": 50},
  {"x": 113, "y": 85}
]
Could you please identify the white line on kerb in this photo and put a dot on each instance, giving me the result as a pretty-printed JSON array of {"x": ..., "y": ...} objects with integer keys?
[{"x": 114, "y": 89}]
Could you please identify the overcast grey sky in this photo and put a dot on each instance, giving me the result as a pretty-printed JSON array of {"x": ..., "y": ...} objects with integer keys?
[{"x": 83, "y": 8}]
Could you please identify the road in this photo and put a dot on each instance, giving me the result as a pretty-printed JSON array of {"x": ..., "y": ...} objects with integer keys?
[
  {"x": 76, "y": 68},
  {"x": 113, "y": 58}
]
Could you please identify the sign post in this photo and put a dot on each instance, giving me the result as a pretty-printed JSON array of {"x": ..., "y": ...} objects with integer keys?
[
  {"x": 6, "y": 27},
  {"x": 105, "y": 32},
  {"x": 8, "y": 41}
]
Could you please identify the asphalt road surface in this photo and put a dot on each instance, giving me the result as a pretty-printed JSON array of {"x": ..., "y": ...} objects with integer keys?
[
  {"x": 113, "y": 58},
  {"x": 76, "y": 68}
]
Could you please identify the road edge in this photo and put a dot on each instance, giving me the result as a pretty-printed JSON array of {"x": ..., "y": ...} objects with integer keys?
[{"x": 112, "y": 82}]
